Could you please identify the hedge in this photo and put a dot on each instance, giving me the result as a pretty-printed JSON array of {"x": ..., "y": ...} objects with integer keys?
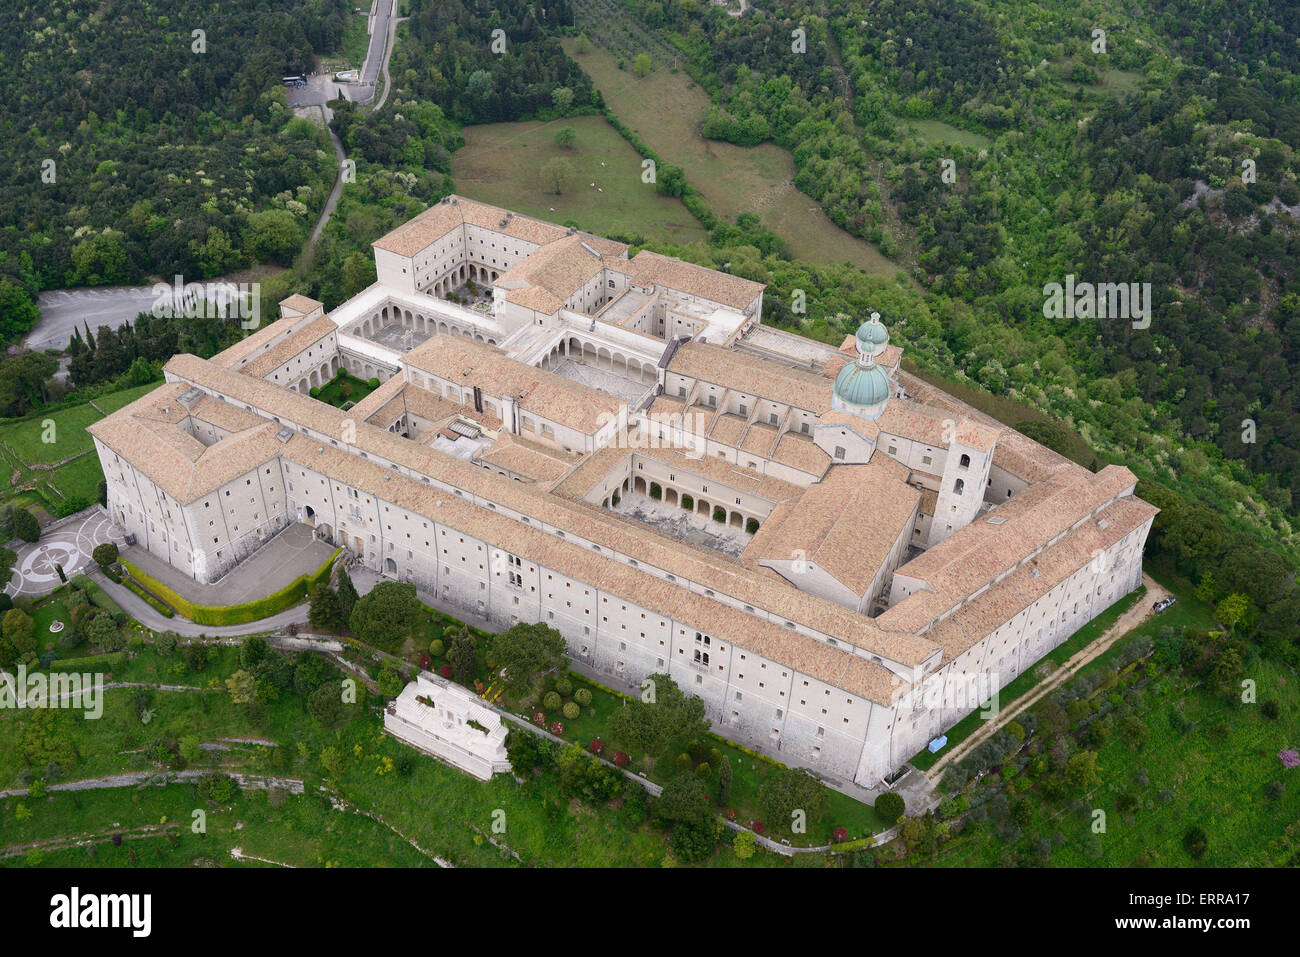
[
  {"x": 98, "y": 597},
  {"x": 92, "y": 663},
  {"x": 847, "y": 846},
  {"x": 159, "y": 606},
  {"x": 272, "y": 604}
]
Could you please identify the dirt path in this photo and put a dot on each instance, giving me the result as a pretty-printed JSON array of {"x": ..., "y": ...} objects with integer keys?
[
  {"x": 84, "y": 840},
  {"x": 1122, "y": 626}
]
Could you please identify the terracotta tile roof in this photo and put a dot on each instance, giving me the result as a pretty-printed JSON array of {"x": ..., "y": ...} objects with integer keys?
[
  {"x": 525, "y": 458},
  {"x": 759, "y": 439},
  {"x": 847, "y": 523},
  {"x": 300, "y": 304},
  {"x": 648, "y": 268},
  {"x": 752, "y": 375},
  {"x": 454, "y": 211},
  {"x": 175, "y": 460},
  {"x": 802, "y": 453},
  {"x": 466, "y": 363},
  {"x": 728, "y": 429},
  {"x": 561, "y": 268},
  {"x": 297, "y": 342}
]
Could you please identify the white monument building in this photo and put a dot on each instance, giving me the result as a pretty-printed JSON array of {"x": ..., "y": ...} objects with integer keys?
[
  {"x": 838, "y": 558},
  {"x": 441, "y": 718}
]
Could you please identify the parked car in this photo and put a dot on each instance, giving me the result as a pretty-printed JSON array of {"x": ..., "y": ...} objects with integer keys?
[{"x": 1162, "y": 604}]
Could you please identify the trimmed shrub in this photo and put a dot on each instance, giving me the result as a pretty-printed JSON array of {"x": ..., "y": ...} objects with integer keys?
[
  {"x": 105, "y": 554},
  {"x": 759, "y": 827},
  {"x": 149, "y": 599},
  {"x": 446, "y": 671},
  {"x": 583, "y": 697},
  {"x": 889, "y": 808},
  {"x": 539, "y": 717},
  {"x": 551, "y": 701},
  {"x": 25, "y": 525},
  {"x": 425, "y": 661},
  {"x": 596, "y": 746},
  {"x": 840, "y": 835},
  {"x": 437, "y": 648},
  {"x": 564, "y": 687},
  {"x": 683, "y": 762},
  {"x": 571, "y": 710},
  {"x": 557, "y": 727},
  {"x": 621, "y": 759}
]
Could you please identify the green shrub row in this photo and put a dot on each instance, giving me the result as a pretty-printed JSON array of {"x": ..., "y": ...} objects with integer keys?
[
  {"x": 848, "y": 846},
  {"x": 690, "y": 196},
  {"x": 272, "y": 604},
  {"x": 156, "y": 604}
]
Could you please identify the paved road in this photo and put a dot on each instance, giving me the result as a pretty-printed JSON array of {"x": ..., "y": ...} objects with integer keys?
[
  {"x": 63, "y": 310},
  {"x": 376, "y": 55}
]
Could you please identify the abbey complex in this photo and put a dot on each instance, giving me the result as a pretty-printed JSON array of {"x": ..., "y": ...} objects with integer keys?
[{"x": 838, "y": 558}]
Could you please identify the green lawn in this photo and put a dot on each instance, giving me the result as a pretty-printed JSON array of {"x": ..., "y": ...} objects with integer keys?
[
  {"x": 302, "y": 831},
  {"x": 344, "y": 388},
  {"x": 502, "y": 163},
  {"x": 43, "y": 617}
]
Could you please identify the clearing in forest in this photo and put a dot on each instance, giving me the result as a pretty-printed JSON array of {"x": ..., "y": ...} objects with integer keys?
[{"x": 666, "y": 110}]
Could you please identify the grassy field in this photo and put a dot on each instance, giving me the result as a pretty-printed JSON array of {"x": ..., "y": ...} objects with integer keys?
[
  {"x": 502, "y": 163},
  {"x": 666, "y": 110},
  {"x": 54, "y": 437},
  {"x": 292, "y": 830},
  {"x": 937, "y": 131}
]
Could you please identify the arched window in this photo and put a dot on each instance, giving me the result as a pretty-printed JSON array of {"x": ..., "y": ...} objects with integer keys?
[
  {"x": 958, "y": 486},
  {"x": 965, "y": 461}
]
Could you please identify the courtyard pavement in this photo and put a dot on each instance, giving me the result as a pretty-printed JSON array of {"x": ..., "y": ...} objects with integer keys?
[
  {"x": 681, "y": 524},
  {"x": 68, "y": 542},
  {"x": 620, "y": 386},
  {"x": 295, "y": 551}
]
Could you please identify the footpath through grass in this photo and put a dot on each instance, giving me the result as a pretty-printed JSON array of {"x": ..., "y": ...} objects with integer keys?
[{"x": 1031, "y": 677}]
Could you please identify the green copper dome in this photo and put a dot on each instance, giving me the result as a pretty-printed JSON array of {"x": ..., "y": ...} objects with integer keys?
[
  {"x": 872, "y": 337},
  {"x": 862, "y": 385}
]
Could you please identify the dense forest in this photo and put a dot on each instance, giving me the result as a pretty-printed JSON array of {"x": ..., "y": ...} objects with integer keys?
[
  {"x": 1119, "y": 162},
  {"x": 136, "y": 148}
]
